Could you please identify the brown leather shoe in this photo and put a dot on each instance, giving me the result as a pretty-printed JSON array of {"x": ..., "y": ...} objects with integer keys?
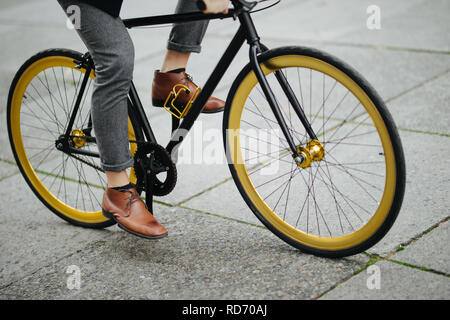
[
  {"x": 163, "y": 83},
  {"x": 131, "y": 214}
]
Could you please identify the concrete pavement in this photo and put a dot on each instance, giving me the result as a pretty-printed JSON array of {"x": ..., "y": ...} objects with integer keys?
[{"x": 217, "y": 249}]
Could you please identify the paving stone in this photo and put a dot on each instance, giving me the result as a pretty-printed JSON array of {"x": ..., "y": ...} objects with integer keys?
[
  {"x": 5, "y": 147},
  {"x": 430, "y": 251},
  {"x": 203, "y": 257},
  {"x": 426, "y": 108},
  {"x": 399, "y": 19},
  {"x": 7, "y": 170},
  {"x": 426, "y": 202},
  {"x": 32, "y": 236},
  {"x": 397, "y": 282}
]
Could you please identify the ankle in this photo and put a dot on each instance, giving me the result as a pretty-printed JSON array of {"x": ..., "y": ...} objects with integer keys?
[
  {"x": 116, "y": 179},
  {"x": 126, "y": 187},
  {"x": 175, "y": 60},
  {"x": 178, "y": 70}
]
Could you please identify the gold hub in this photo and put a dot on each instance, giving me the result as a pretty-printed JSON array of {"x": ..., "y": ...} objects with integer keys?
[
  {"x": 316, "y": 150},
  {"x": 78, "y": 138},
  {"x": 313, "y": 151}
]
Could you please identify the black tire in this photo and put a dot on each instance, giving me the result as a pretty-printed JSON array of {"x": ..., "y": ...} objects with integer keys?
[{"x": 394, "y": 209}]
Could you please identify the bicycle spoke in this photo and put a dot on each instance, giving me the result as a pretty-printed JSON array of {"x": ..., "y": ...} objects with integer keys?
[
  {"x": 331, "y": 197},
  {"x": 276, "y": 189},
  {"x": 276, "y": 178},
  {"x": 260, "y": 166}
]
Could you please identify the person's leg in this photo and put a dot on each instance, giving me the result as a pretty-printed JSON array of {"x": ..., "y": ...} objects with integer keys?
[
  {"x": 184, "y": 38},
  {"x": 112, "y": 50},
  {"x": 174, "y": 60}
]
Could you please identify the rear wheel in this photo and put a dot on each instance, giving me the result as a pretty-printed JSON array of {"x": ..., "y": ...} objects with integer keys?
[
  {"x": 347, "y": 194},
  {"x": 41, "y": 99}
]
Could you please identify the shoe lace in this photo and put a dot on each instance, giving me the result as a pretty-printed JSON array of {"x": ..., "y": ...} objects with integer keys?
[
  {"x": 190, "y": 78},
  {"x": 131, "y": 199}
]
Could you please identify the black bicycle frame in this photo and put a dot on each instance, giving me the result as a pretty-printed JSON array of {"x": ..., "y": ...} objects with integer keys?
[
  {"x": 181, "y": 130},
  {"x": 246, "y": 32}
]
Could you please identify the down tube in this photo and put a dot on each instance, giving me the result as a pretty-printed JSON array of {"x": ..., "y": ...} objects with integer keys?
[{"x": 211, "y": 84}]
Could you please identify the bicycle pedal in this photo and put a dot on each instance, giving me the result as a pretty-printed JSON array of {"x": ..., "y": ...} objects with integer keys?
[{"x": 176, "y": 108}]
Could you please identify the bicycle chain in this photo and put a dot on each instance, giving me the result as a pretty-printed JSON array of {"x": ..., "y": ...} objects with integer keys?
[{"x": 159, "y": 155}]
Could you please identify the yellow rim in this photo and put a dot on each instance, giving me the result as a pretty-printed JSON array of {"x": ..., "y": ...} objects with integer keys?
[
  {"x": 91, "y": 217},
  {"x": 324, "y": 243}
]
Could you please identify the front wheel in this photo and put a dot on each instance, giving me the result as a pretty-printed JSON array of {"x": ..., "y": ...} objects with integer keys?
[{"x": 347, "y": 193}]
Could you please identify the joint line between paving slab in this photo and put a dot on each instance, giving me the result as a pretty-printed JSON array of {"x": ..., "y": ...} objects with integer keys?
[
  {"x": 419, "y": 267},
  {"x": 420, "y": 84},
  {"x": 376, "y": 258},
  {"x": 414, "y": 239},
  {"x": 424, "y": 132},
  {"x": 49, "y": 265},
  {"x": 8, "y": 162},
  {"x": 222, "y": 217},
  {"x": 8, "y": 176},
  {"x": 204, "y": 191},
  {"x": 373, "y": 260}
]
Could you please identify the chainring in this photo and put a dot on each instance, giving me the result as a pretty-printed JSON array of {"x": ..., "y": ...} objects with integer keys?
[{"x": 151, "y": 163}]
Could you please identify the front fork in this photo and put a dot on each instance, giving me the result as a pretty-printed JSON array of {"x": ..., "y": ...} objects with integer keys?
[{"x": 255, "y": 48}]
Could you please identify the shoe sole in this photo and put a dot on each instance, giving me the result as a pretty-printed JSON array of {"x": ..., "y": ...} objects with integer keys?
[
  {"x": 160, "y": 104},
  {"x": 108, "y": 215}
]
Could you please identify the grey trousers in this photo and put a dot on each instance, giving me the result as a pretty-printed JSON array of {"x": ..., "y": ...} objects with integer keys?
[{"x": 112, "y": 51}]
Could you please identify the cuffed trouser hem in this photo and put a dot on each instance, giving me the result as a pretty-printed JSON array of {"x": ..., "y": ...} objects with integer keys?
[
  {"x": 183, "y": 47},
  {"x": 118, "y": 167}
]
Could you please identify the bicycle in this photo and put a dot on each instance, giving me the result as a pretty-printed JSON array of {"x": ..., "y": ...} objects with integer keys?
[{"x": 341, "y": 158}]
